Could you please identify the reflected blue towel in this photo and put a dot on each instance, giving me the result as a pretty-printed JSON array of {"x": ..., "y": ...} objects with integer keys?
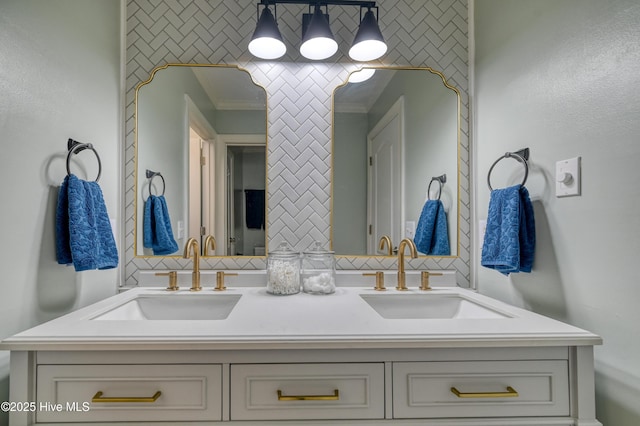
[
  {"x": 432, "y": 233},
  {"x": 254, "y": 216},
  {"x": 157, "y": 233},
  {"x": 83, "y": 231},
  {"x": 510, "y": 237}
]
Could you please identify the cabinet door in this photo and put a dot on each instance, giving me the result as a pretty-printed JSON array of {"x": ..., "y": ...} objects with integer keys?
[
  {"x": 307, "y": 391},
  {"x": 480, "y": 389},
  {"x": 128, "y": 393}
]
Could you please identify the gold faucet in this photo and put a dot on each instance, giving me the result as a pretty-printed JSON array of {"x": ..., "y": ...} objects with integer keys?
[
  {"x": 379, "y": 280},
  {"x": 385, "y": 239},
  {"x": 424, "y": 279},
  {"x": 192, "y": 245},
  {"x": 209, "y": 243},
  {"x": 173, "y": 279},
  {"x": 220, "y": 280},
  {"x": 414, "y": 254}
]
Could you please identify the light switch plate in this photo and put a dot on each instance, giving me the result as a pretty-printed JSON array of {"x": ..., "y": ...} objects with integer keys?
[
  {"x": 482, "y": 229},
  {"x": 410, "y": 229},
  {"x": 568, "y": 177}
]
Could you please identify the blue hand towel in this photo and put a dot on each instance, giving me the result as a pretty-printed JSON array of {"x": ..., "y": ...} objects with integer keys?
[
  {"x": 83, "y": 231},
  {"x": 432, "y": 233},
  {"x": 510, "y": 237},
  {"x": 157, "y": 232}
]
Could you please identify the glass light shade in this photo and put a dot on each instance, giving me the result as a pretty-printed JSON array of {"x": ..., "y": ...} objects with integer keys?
[
  {"x": 266, "y": 42},
  {"x": 368, "y": 44},
  {"x": 362, "y": 75},
  {"x": 318, "y": 42}
]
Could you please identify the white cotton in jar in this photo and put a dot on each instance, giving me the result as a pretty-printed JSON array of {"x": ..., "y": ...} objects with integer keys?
[
  {"x": 283, "y": 278},
  {"x": 322, "y": 283}
]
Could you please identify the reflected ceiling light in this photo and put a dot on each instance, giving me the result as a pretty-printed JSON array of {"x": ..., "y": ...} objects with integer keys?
[
  {"x": 368, "y": 44},
  {"x": 266, "y": 42},
  {"x": 318, "y": 42},
  {"x": 362, "y": 75}
]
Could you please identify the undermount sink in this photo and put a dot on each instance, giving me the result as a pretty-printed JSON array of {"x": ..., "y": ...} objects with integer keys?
[
  {"x": 174, "y": 307},
  {"x": 429, "y": 306}
]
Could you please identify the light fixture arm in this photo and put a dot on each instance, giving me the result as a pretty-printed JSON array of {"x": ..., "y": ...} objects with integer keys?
[
  {"x": 368, "y": 4},
  {"x": 318, "y": 41},
  {"x": 369, "y": 9}
]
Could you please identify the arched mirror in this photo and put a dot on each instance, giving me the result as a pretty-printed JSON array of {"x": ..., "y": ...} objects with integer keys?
[
  {"x": 200, "y": 161},
  {"x": 396, "y": 139}
]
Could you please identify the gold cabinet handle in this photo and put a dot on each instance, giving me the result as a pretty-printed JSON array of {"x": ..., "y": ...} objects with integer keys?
[
  {"x": 510, "y": 393},
  {"x": 99, "y": 398},
  {"x": 334, "y": 397}
]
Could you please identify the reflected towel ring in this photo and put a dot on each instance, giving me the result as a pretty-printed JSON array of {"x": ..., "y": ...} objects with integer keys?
[
  {"x": 441, "y": 180},
  {"x": 521, "y": 156},
  {"x": 150, "y": 175},
  {"x": 74, "y": 147}
]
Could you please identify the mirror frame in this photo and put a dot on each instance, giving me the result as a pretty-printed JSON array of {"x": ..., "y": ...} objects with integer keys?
[
  {"x": 135, "y": 154},
  {"x": 458, "y": 159}
]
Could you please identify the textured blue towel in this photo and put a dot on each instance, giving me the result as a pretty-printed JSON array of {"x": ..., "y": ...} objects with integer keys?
[
  {"x": 83, "y": 231},
  {"x": 432, "y": 233},
  {"x": 510, "y": 237},
  {"x": 157, "y": 233}
]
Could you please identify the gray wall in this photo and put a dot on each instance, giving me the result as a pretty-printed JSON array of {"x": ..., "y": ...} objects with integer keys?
[
  {"x": 561, "y": 77},
  {"x": 59, "y": 79}
]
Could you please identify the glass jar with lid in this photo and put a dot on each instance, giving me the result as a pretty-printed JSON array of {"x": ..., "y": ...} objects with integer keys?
[
  {"x": 318, "y": 271},
  {"x": 283, "y": 270}
]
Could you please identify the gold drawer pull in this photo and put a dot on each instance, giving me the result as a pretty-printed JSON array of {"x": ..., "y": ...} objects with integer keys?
[
  {"x": 334, "y": 397},
  {"x": 510, "y": 393},
  {"x": 99, "y": 398}
]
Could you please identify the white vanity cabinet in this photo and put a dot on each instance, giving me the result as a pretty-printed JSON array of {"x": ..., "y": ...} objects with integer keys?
[
  {"x": 304, "y": 360},
  {"x": 554, "y": 386}
]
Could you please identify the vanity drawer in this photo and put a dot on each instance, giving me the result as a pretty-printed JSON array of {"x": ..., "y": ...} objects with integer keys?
[
  {"x": 187, "y": 392},
  {"x": 307, "y": 391},
  {"x": 425, "y": 389}
]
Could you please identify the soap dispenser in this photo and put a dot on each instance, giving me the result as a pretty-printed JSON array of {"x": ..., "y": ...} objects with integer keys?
[{"x": 318, "y": 271}]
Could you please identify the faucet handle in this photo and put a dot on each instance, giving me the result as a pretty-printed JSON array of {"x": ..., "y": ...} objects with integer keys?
[
  {"x": 424, "y": 279},
  {"x": 379, "y": 280},
  {"x": 220, "y": 280},
  {"x": 173, "y": 279}
]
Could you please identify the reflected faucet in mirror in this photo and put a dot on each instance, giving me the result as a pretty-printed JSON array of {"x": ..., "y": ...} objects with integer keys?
[
  {"x": 386, "y": 240},
  {"x": 192, "y": 247},
  {"x": 407, "y": 242},
  {"x": 209, "y": 244}
]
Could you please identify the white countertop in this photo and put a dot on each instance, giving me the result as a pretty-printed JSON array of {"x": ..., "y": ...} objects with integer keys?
[{"x": 302, "y": 321}]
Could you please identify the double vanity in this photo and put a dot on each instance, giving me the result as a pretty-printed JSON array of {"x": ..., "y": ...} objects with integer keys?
[{"x": 448, "y": 356}]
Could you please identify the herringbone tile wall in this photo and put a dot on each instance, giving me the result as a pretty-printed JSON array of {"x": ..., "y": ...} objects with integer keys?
[{"x": 429, "y": 33}]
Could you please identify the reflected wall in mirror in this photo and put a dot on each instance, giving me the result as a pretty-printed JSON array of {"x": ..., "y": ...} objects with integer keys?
[
  {"x": 392, "y": 134},
  {"x": 203, "y": 127}
]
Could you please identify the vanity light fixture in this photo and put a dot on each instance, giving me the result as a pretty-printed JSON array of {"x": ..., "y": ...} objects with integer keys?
[
  {"x": 266, "y": 42},
  {"x": 318, "y": 42},
  {"x": 368, "y": 43}
]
